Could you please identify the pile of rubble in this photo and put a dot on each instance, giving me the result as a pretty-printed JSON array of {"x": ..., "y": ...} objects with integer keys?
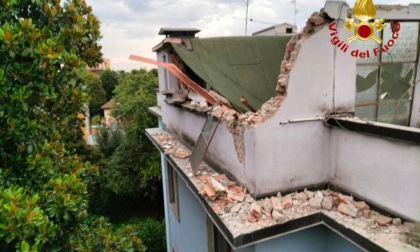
[
  {"x": 242, "y": 214},
  {"x": 186, "y": 99}
]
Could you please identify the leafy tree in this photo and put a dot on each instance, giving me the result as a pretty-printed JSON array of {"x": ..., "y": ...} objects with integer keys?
[
  {"x": 44, "y": 47},
  {"x": 134, "y": 167},
  {"x": 108, "y": 141},
  {"x": 96, "y": 93},
  {"x": 109, "y": 81}
]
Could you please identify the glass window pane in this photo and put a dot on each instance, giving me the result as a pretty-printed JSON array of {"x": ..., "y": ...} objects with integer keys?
[
  {"x": 396, "y": 81},
  {"x": 368, "y": 45},
  {"x": 367, "y": 113},
  {"x": 404, "y": 48},
  {"x": 367, "y": 84},
  {"x": 397, "y": 112}
]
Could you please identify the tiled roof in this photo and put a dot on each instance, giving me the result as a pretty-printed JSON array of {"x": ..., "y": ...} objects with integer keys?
[{"x": 108, "y": 105}]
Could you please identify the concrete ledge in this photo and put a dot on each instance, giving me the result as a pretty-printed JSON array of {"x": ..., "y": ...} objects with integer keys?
[
  {"x": 381, "y": 129},
  {"x": 332, "y": 219}
]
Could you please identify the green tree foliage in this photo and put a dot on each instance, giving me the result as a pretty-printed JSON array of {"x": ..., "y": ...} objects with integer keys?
[
  {"x": 152, "y": 233},
  {"x": 96, "y": 93},
  {"x": 108, "y": 140},
  {"x": 109, "y": 81},
  {"x": 134, "y": 167},
  {"x": 44, "y": 46},
  {"x": 103, "y": 238}
]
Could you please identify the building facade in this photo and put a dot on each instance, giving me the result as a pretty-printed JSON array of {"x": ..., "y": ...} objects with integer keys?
[{"x": 320, "y": 156}]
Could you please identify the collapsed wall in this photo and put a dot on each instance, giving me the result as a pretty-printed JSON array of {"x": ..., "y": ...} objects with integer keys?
[{"x": 237, "y": 123}]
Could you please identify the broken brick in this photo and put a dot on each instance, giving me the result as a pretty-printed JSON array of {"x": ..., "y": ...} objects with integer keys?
[
  {"x": 217, "y": 186},
  {"x": 236, "y": 208},
  {"x": 287, "y": 202},
  {"x": 252, "y": 218},
  {"x": 276, "y": 202},
  {"x": 301, "y": 196},
  {"x": 291, "y": 46},
  {"x": 267, "y": 205},
  {"x": 316, "y": 20},
  {"x": 366, "y": 214},
  {"x": 361, "y": 205},
  {"x": 255, "y": 209},
  {"x": 220, "y": 177},
  {"x": 179, "y": 96},
  {"x": 182, "y": 154},
  {"x": 279, "y": 217},
  {"x": 315, "y": 203},
  {"x": 339, "y": 198},
  {"x": 238, "y": 196},
  {"x": 204, "y": 177},
  {"x": 327, "y": 204},
  {"x": 397, "y": 222},
  {"x": 383, "y": 220},
  {"x": 310, "y": 194},
  {"x": 209, "y": 189},
  {"x": 348, "y": 209}
]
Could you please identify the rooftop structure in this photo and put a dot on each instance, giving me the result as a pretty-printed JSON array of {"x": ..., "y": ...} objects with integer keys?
[
  {"x": 276, "y": 30},
  {"x": 329, "y": 145}
]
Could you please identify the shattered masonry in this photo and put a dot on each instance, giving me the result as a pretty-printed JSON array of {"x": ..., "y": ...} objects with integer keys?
[
  {"x": 237, "y": 123},
  {"x": 241, "y": 213}
]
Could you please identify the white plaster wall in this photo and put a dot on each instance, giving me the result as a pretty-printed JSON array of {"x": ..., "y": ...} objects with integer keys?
[
  {"x": 383, "y": 171},
  {"x": 297, "y": 154},
  {"x": 291, "y": 155},
  {"x": 221, "y": 152}
]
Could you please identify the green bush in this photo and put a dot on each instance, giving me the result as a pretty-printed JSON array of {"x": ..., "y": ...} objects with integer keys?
[
  {"x": 153, "y": 234},
  {"x": 96, "y": 120},
  {"x": 98, "y": 235}
]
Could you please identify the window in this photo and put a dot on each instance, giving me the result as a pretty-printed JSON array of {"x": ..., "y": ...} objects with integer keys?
[
  {"x": 215, "y": 240},
  {"x": 289, "y": 30},
  {"x": 165, "y": 73},
  {"x": 173, "y": 189},
  {"x": 385, "y": 79}
]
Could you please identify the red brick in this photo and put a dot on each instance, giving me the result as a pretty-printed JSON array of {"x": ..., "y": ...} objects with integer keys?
[
  {"x": 255, "y": 209},
  {"x": 252, "y": 218},
  {"x": 291, "y": 46},
  {"x": 317, "y": 20},
  {"x": 287, "y": 202},
  {"x": 209, "y": 189},
  {"x": 366, "y": 214},
  {"x": 383, "y": 220},
  {"x": 182, "y": 154},
  {"x": 347, "y": 209},
  {"x": 361, "y": 205}
]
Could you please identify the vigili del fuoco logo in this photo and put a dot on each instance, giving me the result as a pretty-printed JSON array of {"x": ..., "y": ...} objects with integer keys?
[{"x": 363, "y": 29}]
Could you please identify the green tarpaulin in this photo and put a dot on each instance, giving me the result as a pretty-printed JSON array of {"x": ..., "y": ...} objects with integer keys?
[{"x": 238, "y": 66}]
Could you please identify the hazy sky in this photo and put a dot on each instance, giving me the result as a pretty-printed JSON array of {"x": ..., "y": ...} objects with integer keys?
[{"x": 131, "y": 26}]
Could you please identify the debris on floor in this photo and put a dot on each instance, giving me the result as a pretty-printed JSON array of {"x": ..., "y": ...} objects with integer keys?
[{"x": 241, "y": 213}]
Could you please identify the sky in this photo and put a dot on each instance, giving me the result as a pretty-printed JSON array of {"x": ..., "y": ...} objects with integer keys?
[{"x": 132, "y": 26}]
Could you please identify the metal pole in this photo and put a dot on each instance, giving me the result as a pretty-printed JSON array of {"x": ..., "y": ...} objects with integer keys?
[{"x": 246, "y": 18}]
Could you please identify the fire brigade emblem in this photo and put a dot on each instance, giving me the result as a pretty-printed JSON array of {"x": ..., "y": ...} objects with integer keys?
[{"x": 364, "y": 11}]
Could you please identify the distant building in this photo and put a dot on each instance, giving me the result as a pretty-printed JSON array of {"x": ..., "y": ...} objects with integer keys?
[
  {"x": 279, "y": 29},
  {"x": 106, "y": 65},
  {"x": 107, "y": 108}
]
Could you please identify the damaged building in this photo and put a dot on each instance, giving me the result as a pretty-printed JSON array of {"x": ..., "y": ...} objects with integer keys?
[{"x": 302, "y": 142}]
